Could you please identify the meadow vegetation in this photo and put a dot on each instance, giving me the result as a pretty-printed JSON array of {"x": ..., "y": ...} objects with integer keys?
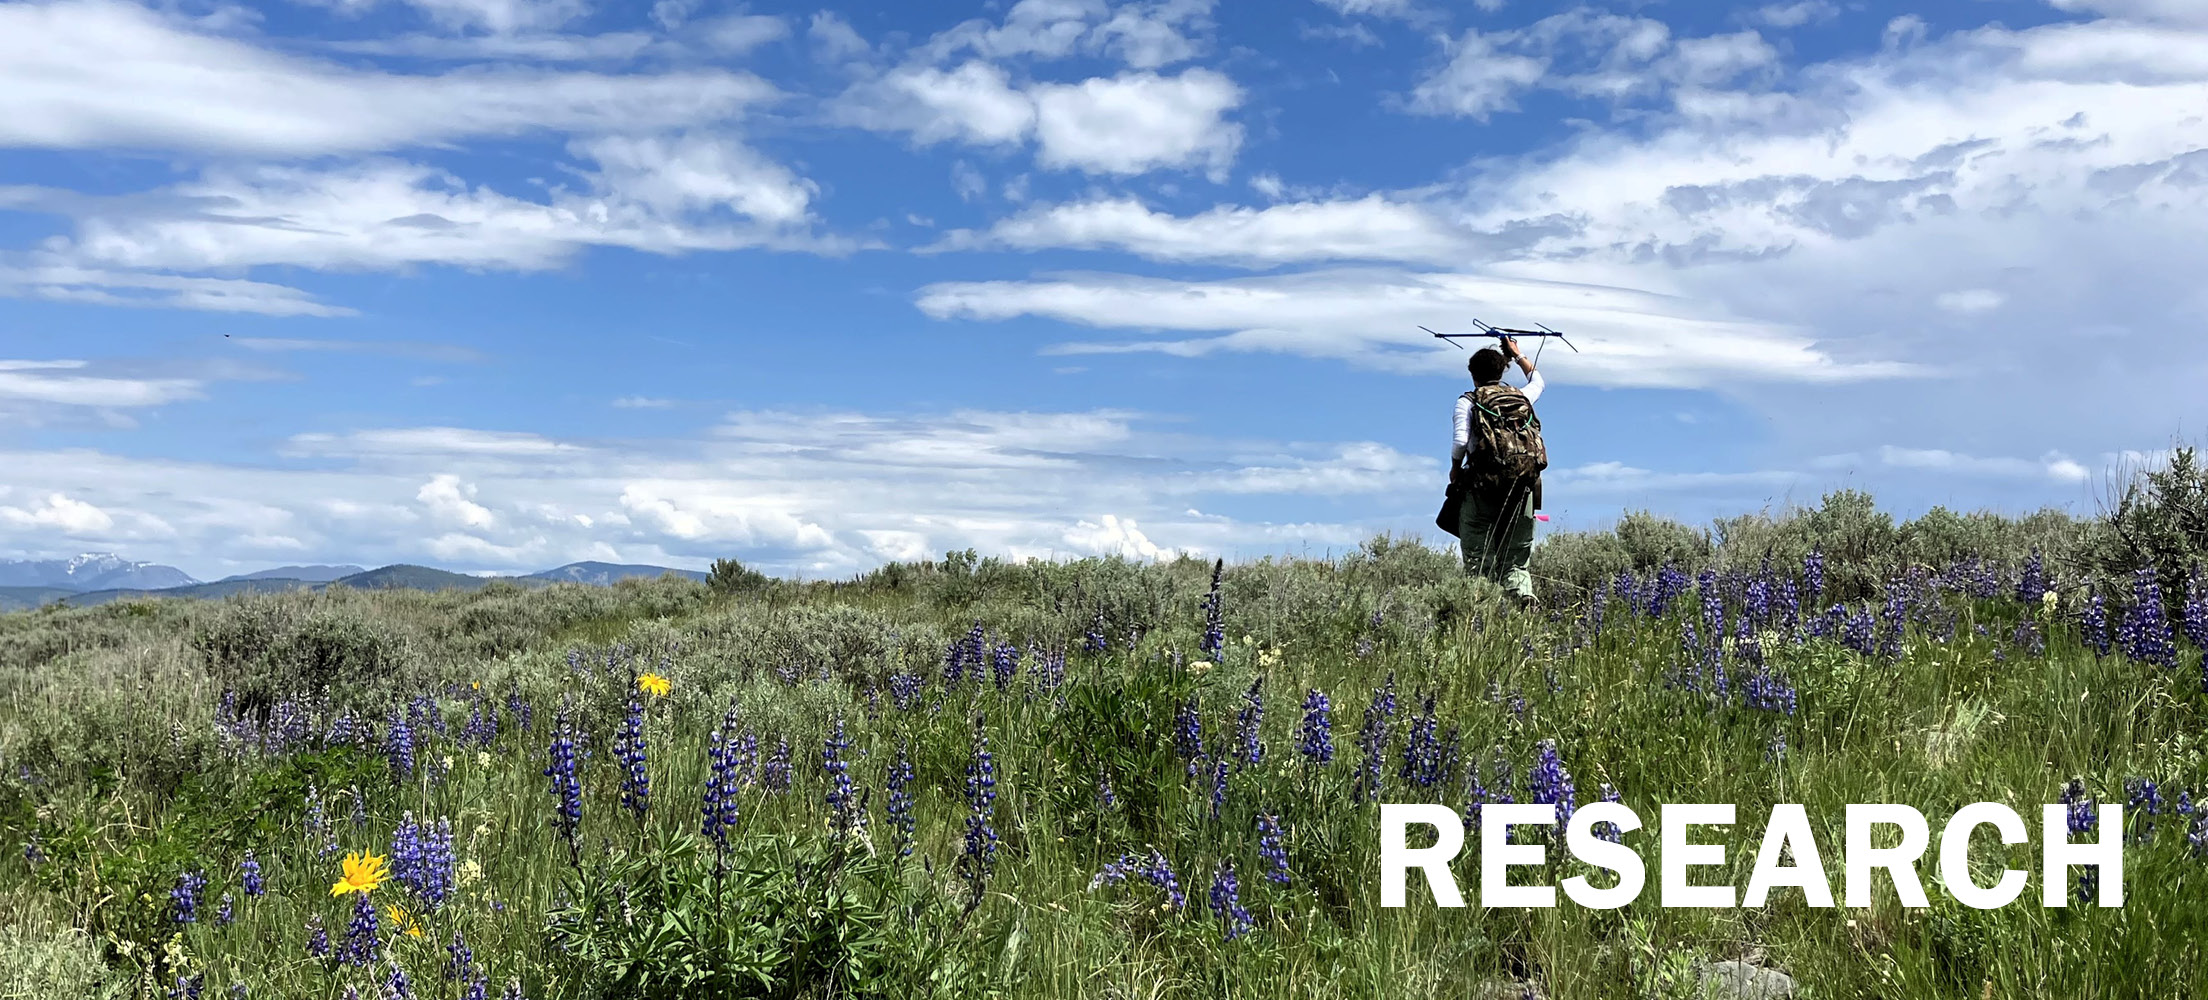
[{"x": 973, "y": 778}]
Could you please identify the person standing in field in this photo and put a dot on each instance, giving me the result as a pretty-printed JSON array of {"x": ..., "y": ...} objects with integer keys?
[{"x": 1495, "y": 459}]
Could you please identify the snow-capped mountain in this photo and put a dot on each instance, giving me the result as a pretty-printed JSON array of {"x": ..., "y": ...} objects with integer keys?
[{"x": 91, "y": 571}]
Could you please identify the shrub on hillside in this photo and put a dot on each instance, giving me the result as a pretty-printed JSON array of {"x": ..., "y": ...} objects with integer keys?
[{"x": 267, "y": 647}]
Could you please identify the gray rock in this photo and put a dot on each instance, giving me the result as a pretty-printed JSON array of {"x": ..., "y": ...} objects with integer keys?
[{"x": 1742, "y": 981}]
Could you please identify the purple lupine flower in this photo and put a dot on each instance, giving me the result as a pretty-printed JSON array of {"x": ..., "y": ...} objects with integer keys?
[
  {"x": 513, "y": 991},
  {"x": 2082, "y": 816},
  {"x": 904, "y": 690},
  {"x": 1813, "y": 575},
  {"x": 1004, "y": 663},
  {"x": 2145, "y": 632},
  {"x": 1550, "y": 782},
  {"x": 2033, "y": 581},
  {"x": 631, "y": 750},
  {"x": 1106, "y": 799},
  {"x": 1670, "y": 583},
  {"x": 398, "y": 746},
  {"x": 2095, "y": 624},
  {"x": 839, "y": 796},
  {"x": 1153, "y": 869},
  {"x": 1317, "y": 740},
  {"x": 1272, "y": 848},
  {"x": 1421, "y": 759},
  {"x": 188, "y": 987},
  {"x": 1713, "y": 603},
  {"x": 1249, "y": 721},
  {"x": 422, "y": 859},
  {"x": 1093, "y": 641},
  {"x": 459, "y": 959},
  {"x": 901, "y": 820},
  {"x": 776, "y": 774},
  {"x": 184, "y": 898},
  {"x": 980, "y": 854},
  {"x": 318, "y": 938},
  {"x": 1896, "y": 619},
  {"x": 1372, "y": 741},
  {"x": 567, "y": 787},
  {"x": 224, "y": 914},
  {"x": 363, "y": 936},
  {"x": 1215, "y": 619},
  {"x": 717, "y": 813},
  {"x": 521, "y": 710},
  {"x": 249, "y": 875},
  {"x": 1188, "y": 734},
  {"x": 1218, "y": 787},
  {"x": 1226, "y": 904},
  {"x": 2143, "y": 802},
  {"x": 2196, "y": 611},
  {"x": 396, "y": 986},
  {"x": 1607, "y": 830}
]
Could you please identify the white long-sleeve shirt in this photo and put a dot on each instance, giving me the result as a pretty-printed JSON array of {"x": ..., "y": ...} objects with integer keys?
[{"x": 1462, "y": 442}]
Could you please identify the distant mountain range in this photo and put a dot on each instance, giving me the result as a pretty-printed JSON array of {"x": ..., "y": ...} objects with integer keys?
[
  {"x": 96, "y": 571},
  {"x": 99, "y": 578}
]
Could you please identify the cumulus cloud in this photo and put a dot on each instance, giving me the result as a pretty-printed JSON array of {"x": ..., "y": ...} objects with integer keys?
[
  {"x": 792, "y": 492},
  {"x": 59, "y": 512}
]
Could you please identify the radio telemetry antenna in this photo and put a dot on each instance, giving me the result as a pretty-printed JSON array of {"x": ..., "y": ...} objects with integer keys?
[{"x": 1499, "y": 332}]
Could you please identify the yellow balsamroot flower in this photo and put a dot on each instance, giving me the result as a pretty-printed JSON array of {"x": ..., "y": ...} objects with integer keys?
[
  {"x": 402, "y": 920},
  {"x": 652, "y": 684},
  {"x": 363, "y": 872}
]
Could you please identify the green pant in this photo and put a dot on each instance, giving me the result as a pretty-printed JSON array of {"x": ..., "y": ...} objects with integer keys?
[{"x": 1497, "y": 536}]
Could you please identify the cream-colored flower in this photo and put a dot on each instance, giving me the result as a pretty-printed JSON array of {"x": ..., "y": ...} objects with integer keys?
[
  {"x": 470, "y": 871},
  {"x": 2049, "y": 599},
  {"x": 482, "y": 758}
]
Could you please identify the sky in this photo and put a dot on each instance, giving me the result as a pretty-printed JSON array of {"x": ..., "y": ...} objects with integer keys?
[{"x": 496, "y": 285}]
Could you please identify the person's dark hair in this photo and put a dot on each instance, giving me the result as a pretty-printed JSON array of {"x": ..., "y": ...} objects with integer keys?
[{"x": 1487, "y": 365}]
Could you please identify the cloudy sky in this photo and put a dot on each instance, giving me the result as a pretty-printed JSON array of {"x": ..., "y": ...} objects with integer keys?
[{"x": 501, "y": 284}]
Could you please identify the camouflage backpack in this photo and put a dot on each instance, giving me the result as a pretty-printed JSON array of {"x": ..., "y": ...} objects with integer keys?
[{"x": 1505, "y": 441}]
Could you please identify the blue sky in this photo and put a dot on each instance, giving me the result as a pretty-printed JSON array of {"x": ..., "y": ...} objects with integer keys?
[{"x": 501, "y": 284}]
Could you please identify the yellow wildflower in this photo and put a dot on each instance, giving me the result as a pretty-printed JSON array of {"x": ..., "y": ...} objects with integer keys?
[
  {"x": 652, "y": 684},
  {"x": 363, "y": 872},
  {"x": 402, "y": 920}
]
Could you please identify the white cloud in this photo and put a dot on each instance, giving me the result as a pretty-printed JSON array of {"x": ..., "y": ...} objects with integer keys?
[
  {"x": 1478, "y": 81},
  {"x": 496, "y": 16},
  {"x": 643, "y": 403},
  {"x": 59, "y": 512},
  {"x": 611, "y": 47},
  {"x": 2186, "y": 13},
  {"x": 1795, "y": 14},
  {"x": 1368, "y": 228},
  {"x": 1138, "y": 122},
  {"x": 1371, "y": 318},
  {"x": 834, "y": 38},
  {"x": 1144, "y": 35},
  {"x": 449, "y": 500},
  {"x": 795, "y": 493},
  {"x": 1371, "y": 8},
  {"x": 60, "y": 383},
  {"x": 384, "y": 214},
  {"x": 71, "y": 283},
  {"x": 1970, "y": 300},
  {"x": 975, "y": 104},
  {"x": 105, "y": 74},
  {"x": 1109, "y": 535},
  {"x": 2053, "y": 466},
  {"x": 675, "y": 175},
  {"x": 1126, "y": 124}
]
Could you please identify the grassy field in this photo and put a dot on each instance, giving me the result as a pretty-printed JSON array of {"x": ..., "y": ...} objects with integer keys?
[{"x": 1093, "y": 779}]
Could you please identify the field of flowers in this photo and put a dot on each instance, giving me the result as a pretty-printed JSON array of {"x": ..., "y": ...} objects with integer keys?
[{"x": 1092, "y": 779}]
